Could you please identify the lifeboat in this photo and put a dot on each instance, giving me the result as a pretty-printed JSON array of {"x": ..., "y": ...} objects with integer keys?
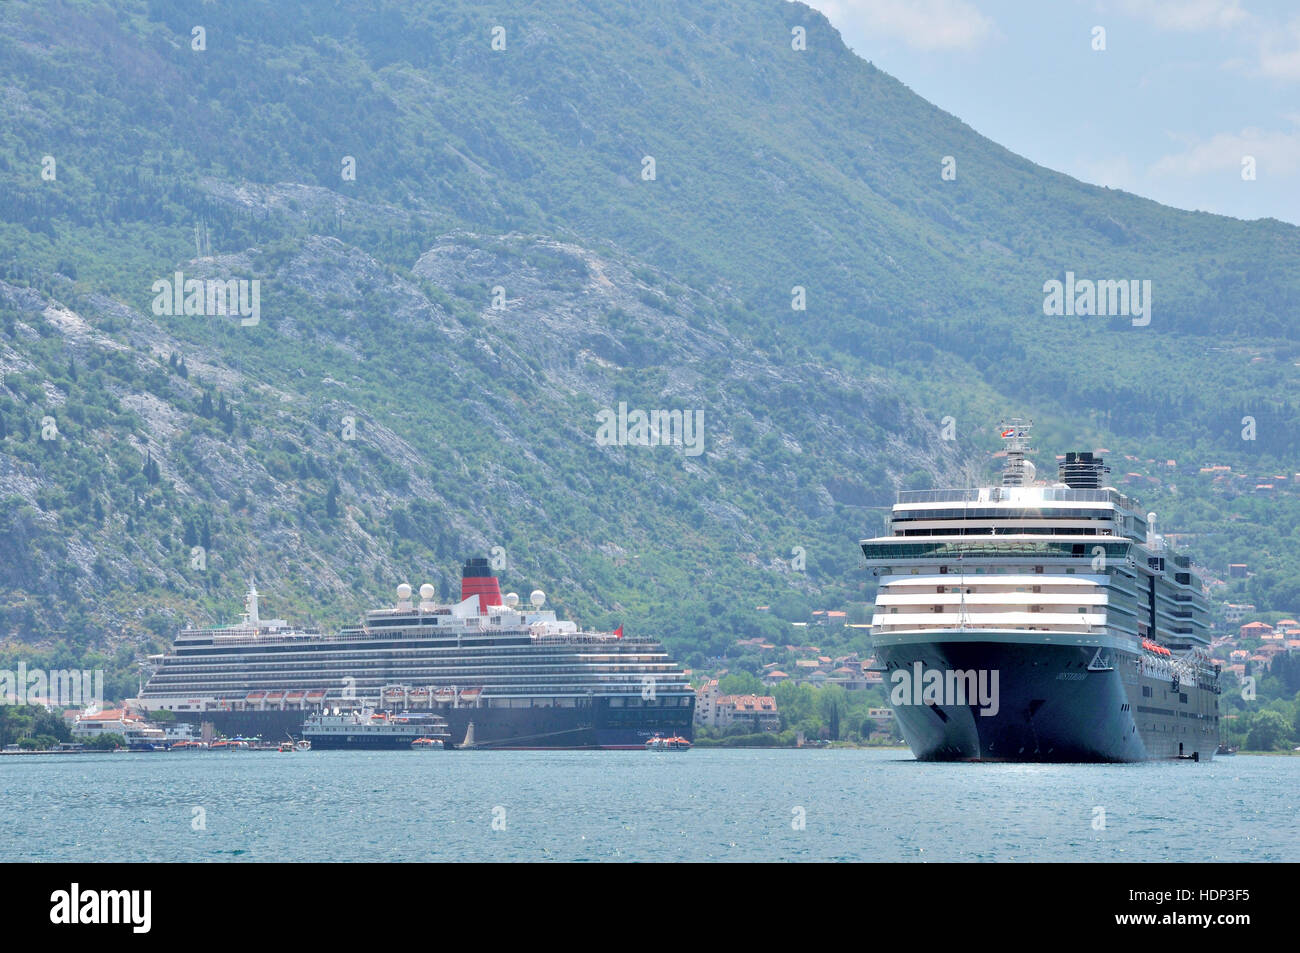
[{"x": 426, "y": 744}]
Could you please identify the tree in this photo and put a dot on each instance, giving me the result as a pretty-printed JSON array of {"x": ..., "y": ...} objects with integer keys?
[
  {"x": 740, "y": 683},
  {"x": 1269, "y": 732},
  {"x": 108, "y": 740},
  {"x": 832, "y": 704}
]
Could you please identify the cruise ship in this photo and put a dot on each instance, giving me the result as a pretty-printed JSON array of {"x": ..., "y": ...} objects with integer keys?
[
  {"x": 1041, "y": 622},
  {"x": 522, "y": 677}
]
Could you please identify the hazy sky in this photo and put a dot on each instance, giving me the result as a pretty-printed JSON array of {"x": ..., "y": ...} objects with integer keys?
[{"x": 1183, "y": 90}]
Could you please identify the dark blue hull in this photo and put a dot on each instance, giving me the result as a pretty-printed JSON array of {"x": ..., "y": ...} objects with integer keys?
[
  {"x": 593, "y": 725},
  {"x": 1051, "y": 705},
  {"x": 366, "y": 741}
]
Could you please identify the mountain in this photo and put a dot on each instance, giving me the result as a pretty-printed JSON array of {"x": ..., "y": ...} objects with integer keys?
[{"x": 477, "y": 233}]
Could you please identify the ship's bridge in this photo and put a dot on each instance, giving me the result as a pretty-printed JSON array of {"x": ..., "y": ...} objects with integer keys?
[{"x": 1017, "y": 510}]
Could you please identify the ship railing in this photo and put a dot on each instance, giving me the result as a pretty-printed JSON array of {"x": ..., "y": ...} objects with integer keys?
[
  {"x": 594, "y": 638},
  {"x": 997, "y": 493}
]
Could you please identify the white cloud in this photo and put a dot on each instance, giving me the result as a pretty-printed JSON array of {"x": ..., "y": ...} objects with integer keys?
[
  {"x": 1274, "y": 152},
  {"x": 921, "y": 24},
  {"x": 1281, "y": 59},
  {"x": 1114, "y": 172},
  {"x": 1187, "y": 15}
]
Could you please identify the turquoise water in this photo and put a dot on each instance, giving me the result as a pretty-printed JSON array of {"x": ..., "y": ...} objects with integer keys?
[{"x": 706, "y": 804}]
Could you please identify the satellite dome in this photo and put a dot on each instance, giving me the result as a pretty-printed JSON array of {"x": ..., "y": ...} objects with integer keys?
[
  {"x": 1031, "y": 471},
  {"x": 512, "y": 599},
  {"x": 537, "y": 598},
  {"x": 426, "y": 592},
  {"x": 404, "y": 591}
]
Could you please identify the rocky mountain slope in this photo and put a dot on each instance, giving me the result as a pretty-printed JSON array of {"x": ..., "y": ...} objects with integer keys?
[{"x": 475, "y": 231}]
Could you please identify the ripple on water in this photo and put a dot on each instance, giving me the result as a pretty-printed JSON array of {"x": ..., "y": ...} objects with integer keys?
[{"x": 708, "y": 804}]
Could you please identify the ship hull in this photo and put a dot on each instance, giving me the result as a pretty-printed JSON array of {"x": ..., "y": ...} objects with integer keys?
[
  {"x": 592, "y": 727},
  {"x": 363, "y": 741},
  {"x": 1049, "y": 706}
]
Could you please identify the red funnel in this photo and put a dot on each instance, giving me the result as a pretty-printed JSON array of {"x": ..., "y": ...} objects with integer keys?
[{"x": 477, "y": 580}]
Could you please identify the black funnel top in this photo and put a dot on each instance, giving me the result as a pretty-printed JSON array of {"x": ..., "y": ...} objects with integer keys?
[{"x": 1082, "y": 471}]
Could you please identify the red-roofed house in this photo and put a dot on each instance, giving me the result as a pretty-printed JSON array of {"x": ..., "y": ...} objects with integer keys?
[
  {"x": 850, "y": 680},
  {"x": 119, "y": 721},
  {"x": 757, "y": 712},
  {"x": 1255, "y": 630}
]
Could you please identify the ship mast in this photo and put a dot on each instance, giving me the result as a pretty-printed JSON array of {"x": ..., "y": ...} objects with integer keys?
[
  {"x": 250, "y": 605},
  {"x": 1015, "y": 436}
]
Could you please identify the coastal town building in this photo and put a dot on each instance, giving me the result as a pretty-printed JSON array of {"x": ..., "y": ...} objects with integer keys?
[
  {"x": 1234, "y": 613},
  {"x": 118, "y": 721},
  {"x": 1255, "y": 630},
  {"x": 716, "y": 710},
  {"x": 755, "y": 712}
]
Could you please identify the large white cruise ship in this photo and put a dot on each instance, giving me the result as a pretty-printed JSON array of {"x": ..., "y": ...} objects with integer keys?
[
  {"x": 518, "y": 675},
  {"x": 1041, "y": 622}
]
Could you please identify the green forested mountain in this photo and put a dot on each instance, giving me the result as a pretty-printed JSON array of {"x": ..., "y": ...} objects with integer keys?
[{"x": 473, "y": 230}]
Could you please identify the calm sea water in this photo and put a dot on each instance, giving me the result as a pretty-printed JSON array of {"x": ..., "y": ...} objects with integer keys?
[{"x": 731, "y": 805}]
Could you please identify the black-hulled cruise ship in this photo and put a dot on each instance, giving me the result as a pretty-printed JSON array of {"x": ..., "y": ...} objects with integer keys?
[
  {"x": 519, "y": 676},
  {"x": 1029, "y": 622}
]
